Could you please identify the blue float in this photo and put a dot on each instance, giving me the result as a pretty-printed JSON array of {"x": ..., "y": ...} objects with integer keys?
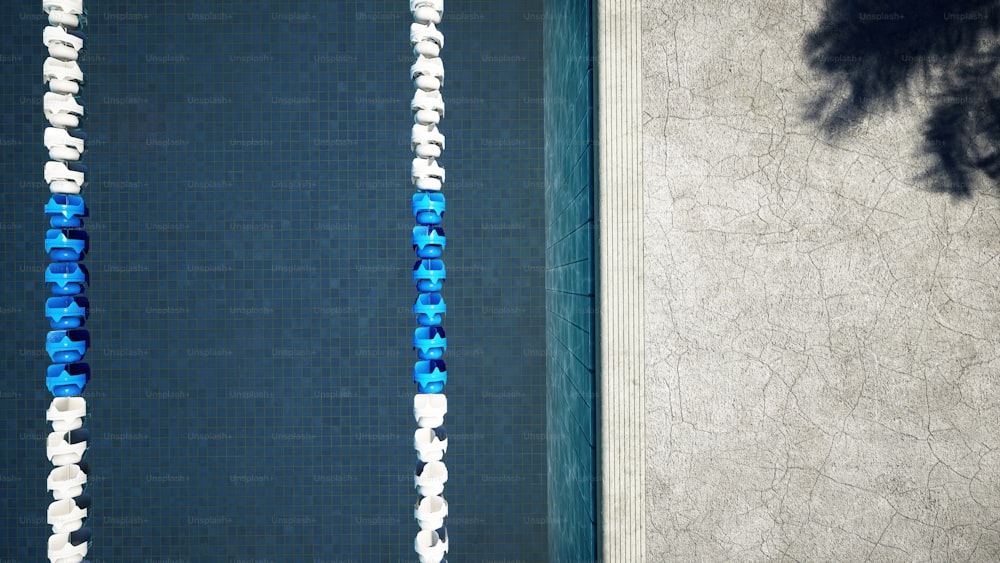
[
  {"x": 67, "y": 346},
  {"x": 428, "y": 241},
  {"x": 428, "y": 207},
  {"x": 66, "y": 245},
  {"x": 67, "y": 380},
  {"x": 67, "y": 278},
  {"x": 66, "y": 211},
  {"x": 430, "y": 342},
  {"x": 428, "y": 275},
  {"x": 429, "y": 308},
  {"x": 70, "y": 311},
  {"x": 430, "y": 376}
]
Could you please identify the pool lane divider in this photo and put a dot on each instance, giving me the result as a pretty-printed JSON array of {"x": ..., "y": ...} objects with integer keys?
[
  {"x": 67, "y": 310},
  {"x": 428, "y": 206}
]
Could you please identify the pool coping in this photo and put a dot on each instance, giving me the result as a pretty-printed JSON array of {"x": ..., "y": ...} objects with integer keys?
[{"x": 620, "y": 281}]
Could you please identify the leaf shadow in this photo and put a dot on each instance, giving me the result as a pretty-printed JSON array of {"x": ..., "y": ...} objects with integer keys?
[{"x": 874, "y": 54}]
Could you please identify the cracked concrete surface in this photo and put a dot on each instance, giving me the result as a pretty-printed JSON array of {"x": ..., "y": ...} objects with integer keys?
[{"x": 821, "y": 330}]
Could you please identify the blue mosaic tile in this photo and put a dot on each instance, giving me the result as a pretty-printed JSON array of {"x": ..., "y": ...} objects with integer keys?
[{"x": 250, "y": 257}]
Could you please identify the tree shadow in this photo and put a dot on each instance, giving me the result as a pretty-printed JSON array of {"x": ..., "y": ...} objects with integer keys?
[{"x": 875, "y": 51}]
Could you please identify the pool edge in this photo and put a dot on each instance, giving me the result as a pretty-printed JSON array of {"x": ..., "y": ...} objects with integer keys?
[{"x": 620, "y": 281}]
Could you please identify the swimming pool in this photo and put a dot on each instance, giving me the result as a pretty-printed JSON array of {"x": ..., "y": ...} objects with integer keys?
[{"x": 251, "y": 302}]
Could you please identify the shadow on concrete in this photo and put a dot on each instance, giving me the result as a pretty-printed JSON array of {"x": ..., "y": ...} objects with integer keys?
[{"x": 875, "y": 51}]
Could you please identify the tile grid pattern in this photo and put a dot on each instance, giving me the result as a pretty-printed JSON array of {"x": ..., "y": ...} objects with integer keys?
[{"x": 251, "y": 226}]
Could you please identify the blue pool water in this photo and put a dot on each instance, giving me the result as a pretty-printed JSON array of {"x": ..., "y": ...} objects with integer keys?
[{"x": 250, "y": 261}]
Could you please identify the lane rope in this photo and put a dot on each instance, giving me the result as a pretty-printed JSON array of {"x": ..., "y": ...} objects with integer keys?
[{"x": 428, "y": 206}]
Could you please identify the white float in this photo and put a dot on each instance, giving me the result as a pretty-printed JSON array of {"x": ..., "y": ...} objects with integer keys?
[
  {"x": 66, "y": 413},
  {"x": 63, "y": 145},
  {"x": 63, "y": 77},
  {"x": 66, "y": 482},
  {"x": 65, "y": 516},
  {"x": 66, "y": 13}
]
